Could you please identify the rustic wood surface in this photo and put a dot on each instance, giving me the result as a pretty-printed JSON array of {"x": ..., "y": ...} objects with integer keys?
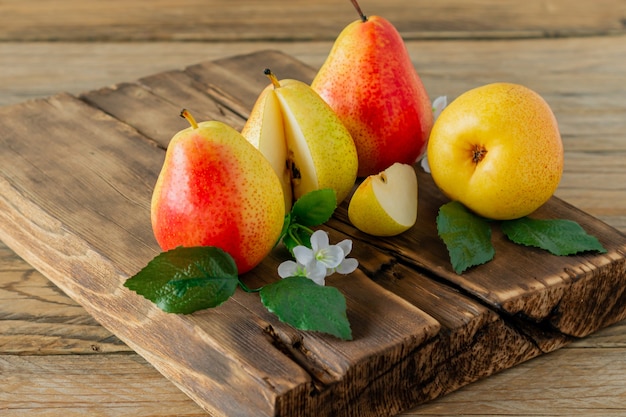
[
  {"x": 56, "y": 360},
  {"x": 228, "y": 20}
]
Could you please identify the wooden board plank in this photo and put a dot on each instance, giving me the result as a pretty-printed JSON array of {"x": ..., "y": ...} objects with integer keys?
[
  {"x": 538, "y": 286},
  {"x": 579, "y": 394},
  {"x": 223, "y": 20},
  {"x": 36, "y": 318},
  {"x": 75, "y": 185}
]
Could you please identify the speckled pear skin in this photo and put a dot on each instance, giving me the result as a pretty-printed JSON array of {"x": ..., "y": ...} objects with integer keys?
[
  {"x": 370, "y": 82},
  {"x": 216, "y": 189},
  {"x": 498, "y": 150}
]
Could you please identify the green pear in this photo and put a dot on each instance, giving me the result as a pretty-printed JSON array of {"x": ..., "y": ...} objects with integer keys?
[
  {"x": 216, "y": 189},
  {"x": 369, "y": 80},
  {"x": 304, "y": 140}
]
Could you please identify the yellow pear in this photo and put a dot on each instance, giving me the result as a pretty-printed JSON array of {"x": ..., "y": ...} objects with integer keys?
[
  {"x": 385, "y": 204},
  {"x": 497, "y": 149},
  {"x": 305, "y": 141}
]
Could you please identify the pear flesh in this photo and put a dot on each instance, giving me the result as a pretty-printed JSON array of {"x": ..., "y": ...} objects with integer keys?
[
  {"x": 262, "y": 130},
  {"x": 299, "y": 158},
  {"x": 402, "y": 207}
]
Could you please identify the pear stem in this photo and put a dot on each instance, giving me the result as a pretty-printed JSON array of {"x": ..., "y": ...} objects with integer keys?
[
  {"x": 272, "y": 77},
  {"x": 358, "y": 9},
  {"x": 184, "y": 113}
]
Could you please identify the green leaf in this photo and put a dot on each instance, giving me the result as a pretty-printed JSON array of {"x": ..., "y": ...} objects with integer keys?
[
  {"x": 312, "y": 209},
  {"x": 557, "y": 236},
  {"x": 305, "y": 305},
  {"x": 297, "y": 236},
  {"x": 467, "y": 236},
  {"x": 315, "y": 207},
  {"x": 285, "y": 229},
  {"x": 184, "y": 280}
]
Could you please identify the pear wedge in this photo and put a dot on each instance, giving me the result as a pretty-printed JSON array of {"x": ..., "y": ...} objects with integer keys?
[
  {"x": 264, "y": 129},
  {"x": 303, "y": 138},
  {"x": 385, "y": 204}
]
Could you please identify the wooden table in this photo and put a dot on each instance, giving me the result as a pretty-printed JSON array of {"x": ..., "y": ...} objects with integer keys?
[{"x": 55, "y": 360}]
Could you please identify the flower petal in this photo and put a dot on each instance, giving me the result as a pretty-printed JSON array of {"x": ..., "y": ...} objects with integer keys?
[
  {"x": 287, "y": 269},
  {"x": 331, "y": 256},
  {"x": 303, "y": 254},
  {"x": 319, "y": 240},
  {"x": 425, "y": 164},
  {"x": 321, "y": 281},
  {"x": 346, "y": 246},
  {"x": 439, "y": 104},
  {"x": 348, "y": 266},
  {"x": 316, "y": 271}
]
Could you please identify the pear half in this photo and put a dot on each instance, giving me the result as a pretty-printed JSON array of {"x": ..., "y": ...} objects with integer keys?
[
  {"x": 385, "y": 204},
  {"x": 303, "y": 139}
]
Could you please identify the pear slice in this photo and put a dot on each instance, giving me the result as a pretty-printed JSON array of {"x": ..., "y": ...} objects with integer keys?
[
  {"x": 303, "y": 138},
  {"x": 385, "y": 204},
  {"x": 265, "y": 131}
]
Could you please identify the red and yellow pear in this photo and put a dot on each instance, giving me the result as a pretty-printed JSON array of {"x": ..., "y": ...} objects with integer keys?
[
  {"x": 216, "y": 189},
  {"x": 370, "y": 82}
]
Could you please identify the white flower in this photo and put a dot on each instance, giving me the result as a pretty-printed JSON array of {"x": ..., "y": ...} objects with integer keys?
[
  {"x": 438, "y": 105},
  {"x": 314, "y": 271},
  {"x": 424, "y": 164},
  {"x": 347, "y": 265},
  {"x": 322, "y": 260},
  {"x": 321, "y": 251}
]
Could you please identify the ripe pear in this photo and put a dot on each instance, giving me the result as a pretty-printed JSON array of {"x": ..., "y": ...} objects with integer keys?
[
  {"x": 498, "y": 150},
  {"x": 385, "y": 204},
  {"x": 216, "y": 189},
  {"x": 304, "y": 140},
  {"x": 369, "y": 80}
]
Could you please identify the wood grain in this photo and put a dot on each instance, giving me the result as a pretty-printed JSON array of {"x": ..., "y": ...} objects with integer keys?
[
  {"x": 583, "y": 378},
  {"x": 91, "y": 383},
  {"x": 222, "y": 20},
  {"x": 414, "y": 340},
  {"x": 55, "y": 360}
]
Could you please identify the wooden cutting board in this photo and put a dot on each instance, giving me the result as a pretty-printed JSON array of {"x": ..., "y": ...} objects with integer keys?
[{"x": 76, "y": 176}]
